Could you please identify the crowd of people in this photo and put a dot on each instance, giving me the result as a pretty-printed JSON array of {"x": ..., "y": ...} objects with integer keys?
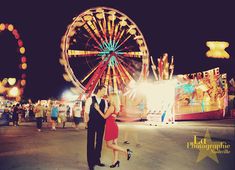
[
  {"x": 53, "y": 113},
  {"x": 99, "y": 114}
]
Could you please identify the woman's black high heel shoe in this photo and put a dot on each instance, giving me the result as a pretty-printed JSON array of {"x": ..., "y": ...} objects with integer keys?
[
  {"x": 128, "y": 154},
  {"x": 116, "y": 164}
]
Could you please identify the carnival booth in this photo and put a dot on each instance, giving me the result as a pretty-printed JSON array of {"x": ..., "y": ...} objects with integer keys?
[
  {"x": 197, "y": 96},
  {"x": 202, "y": 95}
]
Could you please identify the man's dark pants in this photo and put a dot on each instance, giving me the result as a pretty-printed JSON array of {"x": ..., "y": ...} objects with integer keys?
[{"x": 95, "y": 131}]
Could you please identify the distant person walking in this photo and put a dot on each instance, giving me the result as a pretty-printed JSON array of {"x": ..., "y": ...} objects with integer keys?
[
  {"x": 15, "y": 115},
  {"x": 63, "y": 114},
  {"x": 77, "y": 109},
  {"x": 54, "y": 116},
  {"x": 39, "y": 110}
]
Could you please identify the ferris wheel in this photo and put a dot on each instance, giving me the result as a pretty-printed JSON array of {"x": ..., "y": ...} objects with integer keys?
[
  {"x": 103, "y": 46},
  {"x": 13, "y": 87}
]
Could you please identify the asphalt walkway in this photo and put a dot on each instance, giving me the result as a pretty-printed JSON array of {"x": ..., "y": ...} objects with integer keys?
[{"x": 162, "y": 147}]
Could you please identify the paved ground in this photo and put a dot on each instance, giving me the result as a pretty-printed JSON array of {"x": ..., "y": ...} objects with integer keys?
[{"x": 155, "y": 147}]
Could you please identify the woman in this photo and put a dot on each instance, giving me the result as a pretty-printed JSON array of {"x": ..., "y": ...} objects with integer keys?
[{"x": 111, "y": 129}]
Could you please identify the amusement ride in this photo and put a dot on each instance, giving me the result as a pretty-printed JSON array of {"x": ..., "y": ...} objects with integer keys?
[
  {"x": 103, "y": 46},
  {"x": 13, "y": 87}
]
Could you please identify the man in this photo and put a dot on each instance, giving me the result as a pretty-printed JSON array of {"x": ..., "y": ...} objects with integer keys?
[
  {"x": 38, "y": 110},
  {"x": 15, "y": 116},
  {"x": 96, "y": 125},
  {"x": 62, "y": 114},
  {"x": 54, "y": 115}
]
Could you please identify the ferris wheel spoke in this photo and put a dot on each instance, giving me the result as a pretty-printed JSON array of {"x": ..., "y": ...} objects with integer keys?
[
  {"x": 96, "y": 76},
  {"x": 100, "y": 16},
  {"x": 90, "y": 73},
  {"x": 109, "y": 30},
  {"x": 126, "y": 65},
  {"x": 117, "y": 74},
  {"x": 103, "y": 78},
  {"x": 83, "y": 53},
  {"x": 115, "y": 87},
  {"x": 101, "y": 19},
  {"x": 93, "y": 36},
  {"x": 105, "y": 28},
  {"x": 121, "y": 74},
  {"x": 118, "y": 79},
  {"x": 127, "y": 59},
  {"x": 116, "y": 48},
  {"x": 119, "y": 36},
  {"x": 107, "y": 77},
  {"x": 126, "y": 72},
  {"x": 103, "y": 31},
  {"x": 95, "y": 29},
  {"x": 136, "y": 54},
  {"x": 115, "y": 34},
  {"x": 107, "y": 43},
  {"x": 95, "y": 47},
  {"x": 113, "y": 28}
]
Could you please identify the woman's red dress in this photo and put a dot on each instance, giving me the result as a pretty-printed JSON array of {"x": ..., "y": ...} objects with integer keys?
[{"x": 111, "y": 128}]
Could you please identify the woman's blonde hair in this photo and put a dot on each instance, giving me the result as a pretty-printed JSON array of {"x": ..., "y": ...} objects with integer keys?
[{"x": 115, "y": 101}]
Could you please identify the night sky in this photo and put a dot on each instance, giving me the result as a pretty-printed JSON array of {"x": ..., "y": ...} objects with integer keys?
[{"x": 180, "y": 28}]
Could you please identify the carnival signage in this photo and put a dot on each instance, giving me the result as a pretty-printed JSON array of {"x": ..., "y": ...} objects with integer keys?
[{"x": 203, "y": 74}]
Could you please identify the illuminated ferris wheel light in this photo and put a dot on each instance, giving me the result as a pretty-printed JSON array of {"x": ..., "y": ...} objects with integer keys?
[
  {"x": 22, "y": 50},
  {"x": 20, "y": 43},
  {"x": 10, "y": 27},
  {"x": 23, "y": 59},
  {"x": 11, "y": 81},
  {"x": 18, "y": 81},
  {"x": 24, "y": 66},
  {"x": 23, "y": 82},
  {"x": 4, "y": 81},
  {"x": 2, "y": 27}
]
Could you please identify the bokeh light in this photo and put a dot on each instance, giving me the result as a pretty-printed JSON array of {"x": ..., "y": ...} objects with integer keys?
[
  {"x": 22, "y": 50},
  {"x": 23, "y": 59},
  {"x": 11, "y": 81},
  {"x": 13, "y": 92},
  {"x": 20, "y": 43},
  {"x": 24, "y": 66},
  {"x": 10, "y": 27},
  {"x": 2, "y": 27},
  {"x": 23, "y": 82}
]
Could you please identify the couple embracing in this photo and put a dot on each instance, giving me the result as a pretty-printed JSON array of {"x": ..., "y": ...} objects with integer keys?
[{"x": 100, "y": 116}]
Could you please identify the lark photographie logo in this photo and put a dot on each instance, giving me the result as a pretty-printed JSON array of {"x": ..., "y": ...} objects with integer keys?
[{"x": 208, "y": 148}]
